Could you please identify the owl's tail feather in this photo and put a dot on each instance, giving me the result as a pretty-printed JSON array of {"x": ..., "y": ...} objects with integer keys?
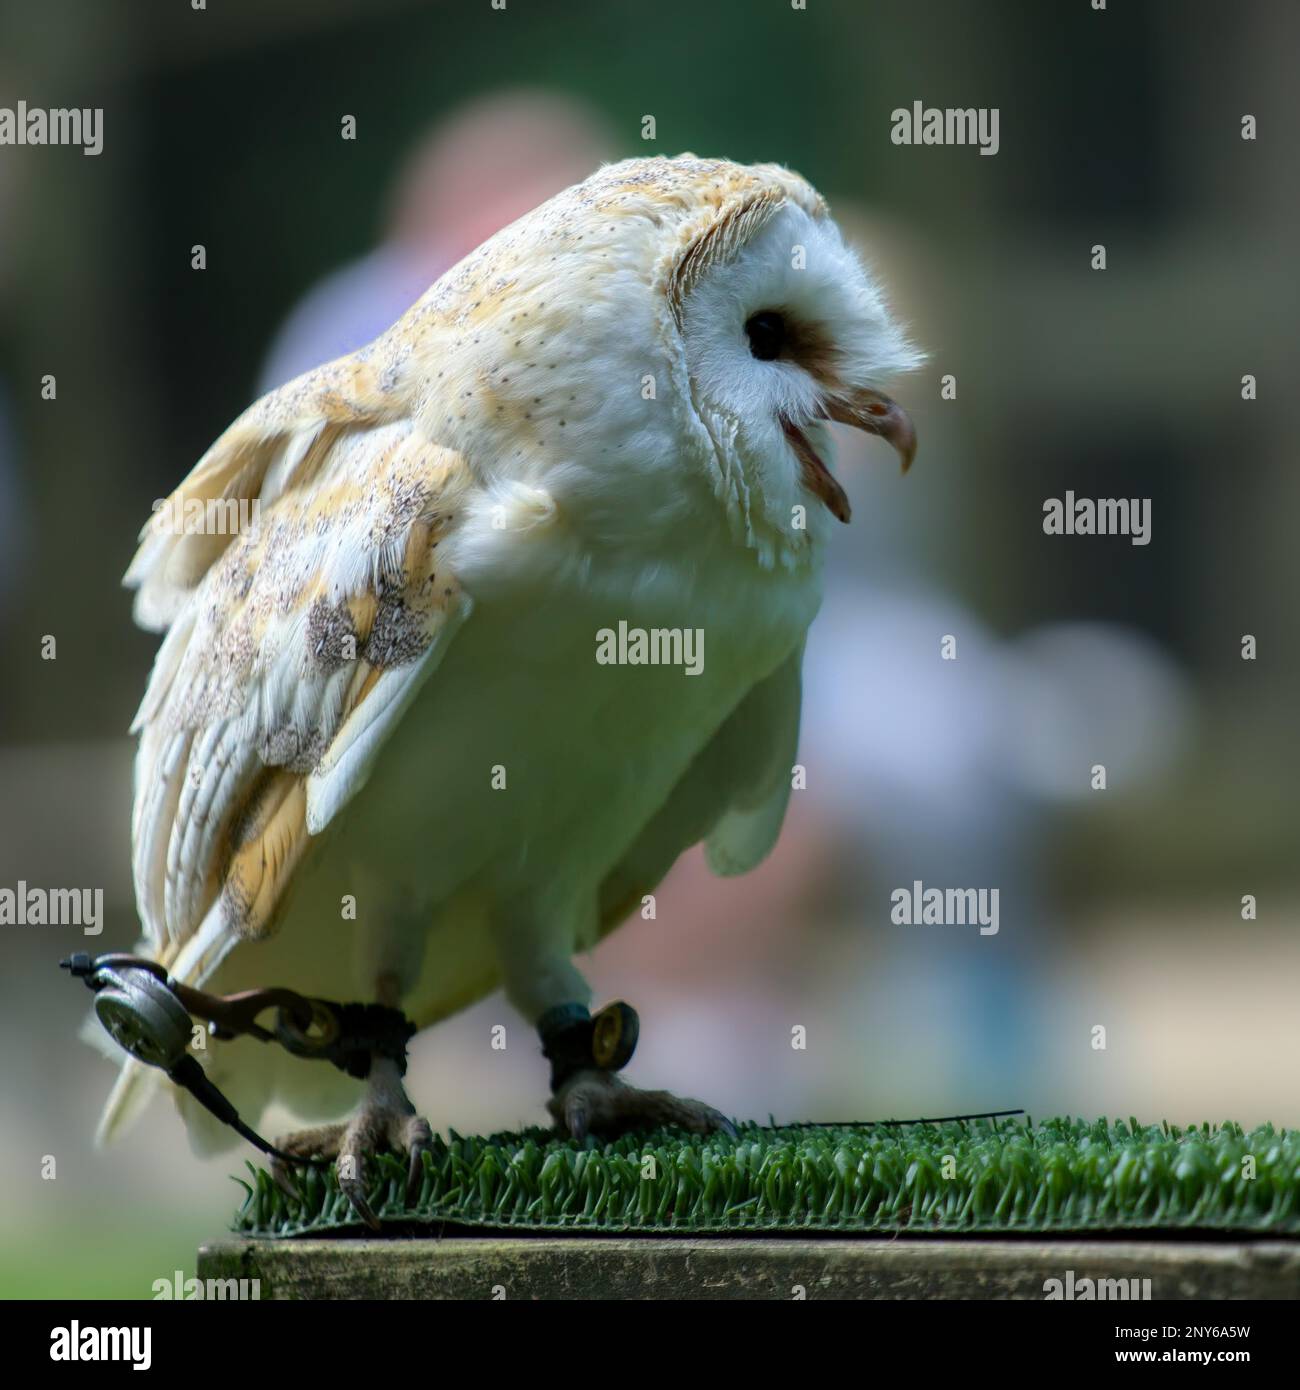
[{"x": 131, "y": 1094}]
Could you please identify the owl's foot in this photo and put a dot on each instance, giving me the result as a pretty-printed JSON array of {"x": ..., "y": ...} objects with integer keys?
[
  {"x": 386, "y": 1119},
  {"x": 587, "y": 1097},
  {"x": 598, "y": 1102}
]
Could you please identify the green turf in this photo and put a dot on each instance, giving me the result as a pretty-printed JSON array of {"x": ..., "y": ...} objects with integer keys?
[{"x": 979, "y": 1176}]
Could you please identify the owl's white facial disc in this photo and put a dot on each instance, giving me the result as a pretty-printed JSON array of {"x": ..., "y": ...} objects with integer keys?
[{"x": 788, "y": 333}]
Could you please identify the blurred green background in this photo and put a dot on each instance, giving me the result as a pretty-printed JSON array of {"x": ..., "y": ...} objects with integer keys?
[{"x": 1123, "y": 908}]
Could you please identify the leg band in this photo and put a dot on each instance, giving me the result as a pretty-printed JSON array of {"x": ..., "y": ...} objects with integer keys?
[{"x": 573, "y": 1041}]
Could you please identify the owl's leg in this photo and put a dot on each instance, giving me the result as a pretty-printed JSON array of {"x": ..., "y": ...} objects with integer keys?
[
  {"x": 385, "y": 1119},
  {"x": 588, "y": 1096}
]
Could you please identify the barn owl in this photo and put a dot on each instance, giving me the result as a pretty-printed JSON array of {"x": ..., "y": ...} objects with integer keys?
[{"x": 385, "y": 689}]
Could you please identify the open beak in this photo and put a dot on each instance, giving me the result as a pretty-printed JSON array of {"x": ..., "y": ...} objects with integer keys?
[
  {"x": 864, "y": 409},
  {"x": 874, "y": 412}
]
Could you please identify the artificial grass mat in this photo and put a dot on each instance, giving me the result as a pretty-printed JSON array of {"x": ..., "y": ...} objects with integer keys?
[{"x": 980, "y": 1176}]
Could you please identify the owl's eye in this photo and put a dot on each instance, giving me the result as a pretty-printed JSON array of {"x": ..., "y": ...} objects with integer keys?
[{"x": 766, "y": 331}]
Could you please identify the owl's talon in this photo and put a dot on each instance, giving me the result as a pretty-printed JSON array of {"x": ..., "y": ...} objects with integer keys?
[
  {"x": 386, "y": 1119},
  {"x": 419, "y": 1141},
  {"x": 599, "y": 1102},
  {"x": 575, "y": 1117},
  {"x": 322, "y": 1142},
  {"x": 353, "y": 1185},
  {"x": 283, "y": 1177}
]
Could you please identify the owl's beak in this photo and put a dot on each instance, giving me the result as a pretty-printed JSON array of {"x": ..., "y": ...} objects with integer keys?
[
  {"x": 874, "y": 412},
  {"x": 864, "y": 409},
  {"x": 817, "y": 478}
]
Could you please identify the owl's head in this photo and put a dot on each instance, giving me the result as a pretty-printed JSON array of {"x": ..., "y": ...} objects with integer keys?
[
  {"x": 770, "y": 323},
  {"x": 782, "y": 329},
  {"x": 668, "y": 314}
]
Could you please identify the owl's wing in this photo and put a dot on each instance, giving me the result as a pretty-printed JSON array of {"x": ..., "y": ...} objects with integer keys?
[
  {"x": 733, "y": 796},
  {"x": 294, "y": 647},
  {"x": 278, "y": 443}
]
